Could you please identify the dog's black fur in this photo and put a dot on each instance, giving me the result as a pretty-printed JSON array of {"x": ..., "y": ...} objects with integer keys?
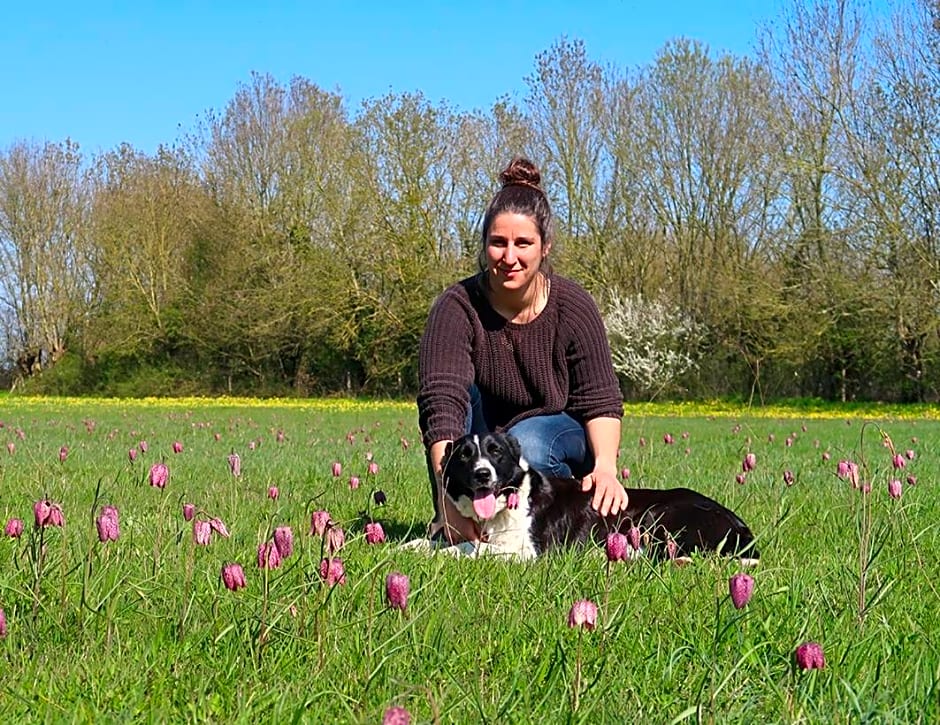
[{"x": 558, "y": 513}]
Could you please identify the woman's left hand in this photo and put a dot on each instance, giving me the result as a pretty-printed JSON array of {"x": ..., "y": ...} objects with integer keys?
[{"x": 610, "y": 497}]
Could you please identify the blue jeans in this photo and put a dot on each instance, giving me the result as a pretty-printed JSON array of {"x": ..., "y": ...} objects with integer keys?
[{"x": 555, "y": 445}]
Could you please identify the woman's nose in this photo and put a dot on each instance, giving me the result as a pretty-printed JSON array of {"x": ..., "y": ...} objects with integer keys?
[{"x": 509, "y": 256}]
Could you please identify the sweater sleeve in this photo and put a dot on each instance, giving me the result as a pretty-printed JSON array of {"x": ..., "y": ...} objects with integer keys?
[
  {"x": 445, "y": 370},
  {"x": 594, "y": 389}
]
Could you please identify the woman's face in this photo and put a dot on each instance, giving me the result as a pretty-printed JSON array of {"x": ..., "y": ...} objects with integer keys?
[{"x": 514, "y": 252}]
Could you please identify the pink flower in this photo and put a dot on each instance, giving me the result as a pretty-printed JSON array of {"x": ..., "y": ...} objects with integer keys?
[
  {"x": 642, "y": 442},
  {"x": 279, "y": 437},
  {"x": 583, "y": 614},
  {"x": 144, "y": 447},
  {"x": 63, "y": 453},
  {"x": 107, "y": 524},
  {"x": 159, "y": 474},
  {"x": 202, "y": 532},
  {"x": 379, "y": 497},
  {"x": 332, "y": 571},
  {"x": 740, "y": 478},
  {"x": 132, "y": 454},
  {"x": 616, "y": 547},
  {"x": 233, "y": 576},
  {"x": 373, "y": 468},
  {"x": 335, "y": 540},
  {"x": 512, "y": 500},
  {"x": 219, "y": 527},
  {"x": 404, "y": 443},
  {"x": 396, "y": 591},
  {"x": 14, "y": 528},
  {"x": 273, "y": 493},
  {"x": 810, "y": 656},
  {"x": 337, "y": 469},
  {"x": 55, "y": 516},
  {"x": 633, "y": 537},
  {"x": 375, "y": 534},
  {"x": 11, "y": 447},
  {"x": 740, "y": 586},
  {"x": 788, "y": 477},
  {"x": 672, "y": 548},
  {"x": 177, "y": 447},
  {"x": 898, "y": 460},
  {"x": 912, "y": 480},
  {"x": 235, "y": 464},
  {"x": 788, "y": 442},
  {"x": 396, "y": 716},
  {"x": 319, "y": 522},
  {"x": 354, "y": 482},
  {"x": 189, "y": 510},
  {"x": 217, "y": 436},
  {"x": 624, "y": 473},
  {"x": 46, "y": 513},
  {"x": 894, "y": 488},
  {"x": 909, "y": 454},
  {"x": 749, "y": 463},
  {"x": 668, "y": 439},
  {"x": 284, "y": 541},
  {"x": 826, "y": 455},
  {"x": 268, "y": 556},
  {"x": 3, "y": 623}
]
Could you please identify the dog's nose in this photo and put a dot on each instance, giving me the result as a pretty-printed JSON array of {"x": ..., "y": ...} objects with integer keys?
[{"x": 481, "y": 475}]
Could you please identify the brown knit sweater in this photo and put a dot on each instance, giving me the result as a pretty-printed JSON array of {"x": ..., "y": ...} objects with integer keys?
[{"x": 558, "y": 362}]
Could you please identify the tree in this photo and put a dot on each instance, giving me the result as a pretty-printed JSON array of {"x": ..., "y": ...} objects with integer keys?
[{"x": 46, "y": 285}]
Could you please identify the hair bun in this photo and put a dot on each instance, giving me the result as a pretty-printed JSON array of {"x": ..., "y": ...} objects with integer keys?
[{"x": 521, "y": 172}]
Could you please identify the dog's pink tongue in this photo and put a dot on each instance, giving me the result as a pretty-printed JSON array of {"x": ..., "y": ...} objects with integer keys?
[{"x": 485, "y": 506}]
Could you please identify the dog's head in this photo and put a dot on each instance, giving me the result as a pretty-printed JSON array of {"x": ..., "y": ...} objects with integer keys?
[{"x": 481, "y": 474}]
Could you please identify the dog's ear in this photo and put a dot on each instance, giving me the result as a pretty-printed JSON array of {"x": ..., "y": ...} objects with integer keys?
[{"x": 512, "y": 445}]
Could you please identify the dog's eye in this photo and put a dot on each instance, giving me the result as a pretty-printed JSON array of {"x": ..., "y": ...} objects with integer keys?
[{"x": 492, "y": 448}]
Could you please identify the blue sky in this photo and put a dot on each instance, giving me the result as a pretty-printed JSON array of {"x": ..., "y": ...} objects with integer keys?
[{"x": 105, "y": 73}]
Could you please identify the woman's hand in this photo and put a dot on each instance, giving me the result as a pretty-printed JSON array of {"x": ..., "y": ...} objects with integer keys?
[
  {"x": 456, "y": 528},
  {"x": 610, "y": 497}
]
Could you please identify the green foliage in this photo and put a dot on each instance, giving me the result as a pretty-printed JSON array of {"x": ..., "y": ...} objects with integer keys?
[{"x": 142, "y": 629}]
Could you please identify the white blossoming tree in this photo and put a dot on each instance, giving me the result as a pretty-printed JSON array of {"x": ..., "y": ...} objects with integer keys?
[{"x": 651, "y": 344}]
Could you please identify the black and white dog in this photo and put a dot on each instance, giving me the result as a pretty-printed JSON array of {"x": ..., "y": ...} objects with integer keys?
[{"x": 522, "y": 512}]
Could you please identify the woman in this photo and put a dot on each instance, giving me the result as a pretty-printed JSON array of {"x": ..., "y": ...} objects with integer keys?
[{"x": 519, "y": 349}]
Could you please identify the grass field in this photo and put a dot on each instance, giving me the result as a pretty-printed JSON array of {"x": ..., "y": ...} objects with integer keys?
[{"x": 142, "y": 628}]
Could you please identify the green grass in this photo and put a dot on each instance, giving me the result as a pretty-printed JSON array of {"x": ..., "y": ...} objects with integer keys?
[{"x": 142, "y": 630}]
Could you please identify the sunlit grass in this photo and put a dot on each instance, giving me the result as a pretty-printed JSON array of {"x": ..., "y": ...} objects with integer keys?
[{"x": 142, "y": 628}]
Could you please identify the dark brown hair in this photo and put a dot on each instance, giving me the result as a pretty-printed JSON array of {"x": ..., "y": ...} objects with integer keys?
[{"x": 521, "y": 194}]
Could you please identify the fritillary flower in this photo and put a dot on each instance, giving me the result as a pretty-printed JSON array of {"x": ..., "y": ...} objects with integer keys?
[
  {"x": 268, "y": 555},
  {"x": 909, "y": 454},
  {"x": 373, "y": 468},
  {"x": 616, "y": 547},
  {"x": 11, "y": 448},
  {"x": 583, "y": 613},
  {"x": 3, "y": 623},
  {"x": 788, "y": 477},
  {"x": 332, "y": 571},
  {"x": 633, "y": 537},
  {"x": 319, "y": 522},
  {"x": 624, "y": 473},
  {"x": 189, "y": 510},
  {"x": 379, "y": 497},
  {"x": 749, "y": 463},
  {"x": 668, "y": 439},
  {"x": 235, "y": 464},
  {"x": 144, "y": 446},
  {"x": 512, "y": 500},
  {"x": 741, "y": 478},
  {"x": 159, "y": 474},
  {"x": 396, "y": 591},
  {"x": 177, "y": 447},
  {"x": 14, "y": 528},
  {"x": 912, "y": 480},
  {"x": 375, "y": 534},
  {"x": 740, "y": 586},
  {"x": 217, "y": 525},
  {"x": 56, "y": 518},
  {"x": 63, "y": 453},
  {"x": 273, "y": 493},
  {"x": 354, "y": 482},
  {"x": 898, "y": 460},
  {"x": 337, "y": 469},
  {"x": 810, "y": 656},
  {"x": 894, "y": 488},
  {"x": 396, "y": 716},
  {"x": 284, "y": 541},
  {"x": 202, "y": 532},
  {"x": 107, "y": 524},
  {"x": 335, "y": 540},
  {"x": 132, "y": 454},
  {"x": 233, "y": 576}
]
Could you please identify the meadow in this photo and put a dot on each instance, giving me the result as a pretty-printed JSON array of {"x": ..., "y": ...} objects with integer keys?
[{"x": 142, "y": 627}]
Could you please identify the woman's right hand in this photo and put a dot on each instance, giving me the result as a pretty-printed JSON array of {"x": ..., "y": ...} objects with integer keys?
[{"x": 455, "y": 528}]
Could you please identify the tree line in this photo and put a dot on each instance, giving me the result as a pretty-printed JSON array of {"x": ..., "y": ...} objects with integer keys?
[{"x": 780, "y": 209}]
